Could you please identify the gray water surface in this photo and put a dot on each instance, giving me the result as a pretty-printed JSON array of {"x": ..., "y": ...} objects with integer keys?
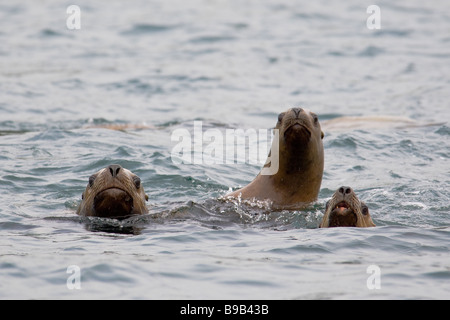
[{"x": 230, "y": 64}]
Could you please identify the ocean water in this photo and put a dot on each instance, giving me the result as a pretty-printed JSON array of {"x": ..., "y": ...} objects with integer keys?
[{"x": 161, "y": 65}]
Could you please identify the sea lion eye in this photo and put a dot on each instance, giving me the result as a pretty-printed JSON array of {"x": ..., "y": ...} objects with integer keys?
[
  {"x": 92, "y": 180},
  {"x": 281, "y": 116},
  {"x": 137, "y": 182},
  {"x": 316, "y": 118},
  {"x": 364, "y": 209}
]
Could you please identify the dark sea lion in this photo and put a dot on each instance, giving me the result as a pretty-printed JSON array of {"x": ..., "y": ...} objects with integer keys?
[
  {"x": 300, "y": 163},
  {"x": 113, "y": 192},
  {"x": 346, "y": 210}
]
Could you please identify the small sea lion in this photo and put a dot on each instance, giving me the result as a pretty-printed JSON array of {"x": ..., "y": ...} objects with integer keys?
[
  {"x": 113, "y": 192},
  {"x": 373, "y": 123},
  {"x": 346, "y": 210},
  {"x": 300, "y": 164},
  {"x": 121, "y": 127}
]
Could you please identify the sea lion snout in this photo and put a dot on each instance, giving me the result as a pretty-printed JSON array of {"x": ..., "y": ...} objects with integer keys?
[
  {"x": 297, "y": 112},
  {"x": 114, "y": 169},
  {"x": 297, "y": 125},
  {"x": 113, "y": 203},
  {"x": 345, "y": 190}
]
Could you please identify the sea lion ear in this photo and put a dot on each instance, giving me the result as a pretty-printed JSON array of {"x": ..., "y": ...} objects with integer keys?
[{"x": 323, "y": 135}]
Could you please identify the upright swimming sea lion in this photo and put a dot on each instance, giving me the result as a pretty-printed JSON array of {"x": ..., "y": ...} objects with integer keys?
[
  {"x": 346, "y": 210},
  {"x": 300, "y": 163},
  {"x": 113, "y": 192}
]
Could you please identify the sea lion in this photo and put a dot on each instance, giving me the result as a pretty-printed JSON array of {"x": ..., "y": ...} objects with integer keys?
[
  {"x": 341, "y": 124},
  {"x": 297, "y": 181},
  {"x": 346, "y": 210},
  {"x": 113, "y": 192},
  {"x": 120, "y": 127}
]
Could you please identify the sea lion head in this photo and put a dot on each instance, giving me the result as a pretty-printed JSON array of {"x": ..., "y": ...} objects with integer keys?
[
  {"x": 346, "y": 210},
  {"x": 113, "y": 192},
  {"x": 301, "y": 148},
  {"x": 298, "y": 126}
]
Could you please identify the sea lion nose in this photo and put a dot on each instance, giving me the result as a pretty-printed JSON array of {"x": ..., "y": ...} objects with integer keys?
[
  {"x": 345, "y": 190},
  {"x": 114, "y": 170},
  {"x": 297, "y": 111}
]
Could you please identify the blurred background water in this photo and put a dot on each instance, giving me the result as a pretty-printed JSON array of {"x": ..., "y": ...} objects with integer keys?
[{"x": 230, "y": 64}]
